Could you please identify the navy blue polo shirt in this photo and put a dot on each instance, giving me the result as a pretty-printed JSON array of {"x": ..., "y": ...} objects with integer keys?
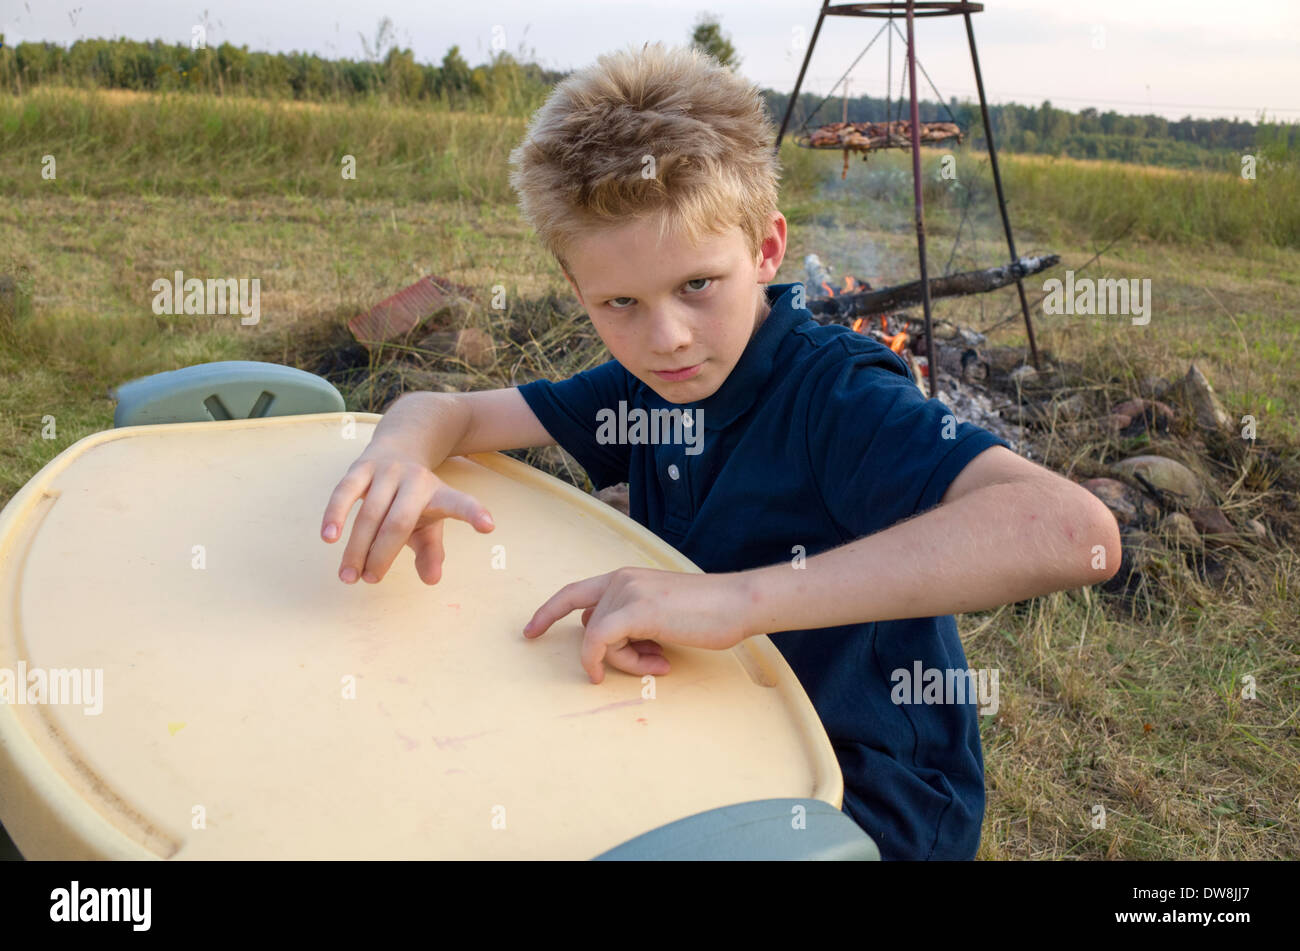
[{"x": 817, "y": 437}]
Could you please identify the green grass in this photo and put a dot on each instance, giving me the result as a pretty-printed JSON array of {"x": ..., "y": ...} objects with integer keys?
[
  {"x": 110, "y": 143},
  {"x": 1138, "y": 711}
]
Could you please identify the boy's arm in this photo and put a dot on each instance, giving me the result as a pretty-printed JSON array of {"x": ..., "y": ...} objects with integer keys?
[
  {"x": 436, "y": 426},
  {"x": 1006, "y": 530}
]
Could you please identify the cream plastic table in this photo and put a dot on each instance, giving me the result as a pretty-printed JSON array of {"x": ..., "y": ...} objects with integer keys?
[{"x": 253, "y": 706}]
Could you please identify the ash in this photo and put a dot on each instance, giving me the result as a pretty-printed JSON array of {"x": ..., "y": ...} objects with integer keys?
[{"x": 972, "y": 403}]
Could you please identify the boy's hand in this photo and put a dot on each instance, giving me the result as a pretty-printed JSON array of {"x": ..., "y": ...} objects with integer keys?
[
  {"x": 405, "y": 503},
  {"x": 627, "y": 607}
]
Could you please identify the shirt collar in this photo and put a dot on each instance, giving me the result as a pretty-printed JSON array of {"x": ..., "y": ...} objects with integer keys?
[{"x": 750, "y": 374}]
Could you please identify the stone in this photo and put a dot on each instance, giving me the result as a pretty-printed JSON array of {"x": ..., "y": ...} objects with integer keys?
[
  {"x": 1121, "y": 499},
  {"x": 1023, "y": 375},
  {"x": 1071, "y": 407},
  {"x": 1153, "y": 387},
  {"x": 1210, "y": 520},
  {"x": 974, "y": 369},
  {"x": 475, "y": 347},
  {"x": 950, "y": 363},
  {"x": 471, "y": 346},
  {"x": 615, "y": 496},
  {"x": 943, "y": 329},
  {"x": 1135, "y": 554},
  {"x": 1197, "y": 392},
  {"x": 1005, "y": 359},
  {"x": 1180, "y": 529},
  {"x": 1136, "y": 547},
  {"x": 1158, "y": 416},
  {"x": 1117, "y": 423},
  {"x": 1166, "y": 474}
]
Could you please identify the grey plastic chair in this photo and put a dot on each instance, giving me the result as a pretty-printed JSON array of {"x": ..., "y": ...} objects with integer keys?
[
  {"x": 230, "y": 389},
  {"x": 763, "y": 830}
]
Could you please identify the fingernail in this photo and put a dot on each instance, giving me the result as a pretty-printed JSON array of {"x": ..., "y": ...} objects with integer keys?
[
  {"x": 528, "y": 627},
  {"x": 370, "y": 578},
  {"x": 331, "y": 532},
  {"x": 487, "y": 520},
  {"x": 349, "y": 575}
]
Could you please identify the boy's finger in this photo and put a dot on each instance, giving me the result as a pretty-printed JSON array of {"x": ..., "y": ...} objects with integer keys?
[
  {"x": 350, "y": 488},
  {"x": 461, "y": 505},
  {"x": 629, "y": 660},
  {"x": 427, "y": 544},
  {"x": 379, "y": 496},
  {"x": 580, "y": 594},
  {"x": 604, "y": 635},
  {"x": 402, "y": 517}
]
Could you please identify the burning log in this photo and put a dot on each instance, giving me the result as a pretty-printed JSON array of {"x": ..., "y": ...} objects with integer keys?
[{"x": 900, "y": 296}]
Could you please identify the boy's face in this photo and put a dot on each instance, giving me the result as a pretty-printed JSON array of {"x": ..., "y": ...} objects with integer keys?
[{"x": 672, "y": 306}]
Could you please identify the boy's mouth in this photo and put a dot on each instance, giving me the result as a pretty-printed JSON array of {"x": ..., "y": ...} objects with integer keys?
[{"x": 673, "y": 376}]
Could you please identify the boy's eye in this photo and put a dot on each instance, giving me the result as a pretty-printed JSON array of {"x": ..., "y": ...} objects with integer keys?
[{"x": 613, "y": 302}]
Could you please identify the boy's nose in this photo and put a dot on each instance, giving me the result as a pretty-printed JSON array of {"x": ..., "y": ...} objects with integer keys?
[{"x": 668, "y": 334}]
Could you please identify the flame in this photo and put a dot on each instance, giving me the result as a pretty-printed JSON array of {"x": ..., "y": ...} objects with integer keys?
[
  {"x": 857, "y": 325},
  {"x": 851, "y": 286},
  {"x": 895, "y": 342}
]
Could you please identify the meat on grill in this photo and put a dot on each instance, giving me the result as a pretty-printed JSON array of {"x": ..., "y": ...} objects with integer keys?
[{"x": 866, "y": 136}]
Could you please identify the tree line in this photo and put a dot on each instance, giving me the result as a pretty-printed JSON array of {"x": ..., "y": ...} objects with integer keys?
[
  {"x": 506, "y": 84},
  {"x": 1045, "y": 129},
  {"x": 503, "y": 83}
]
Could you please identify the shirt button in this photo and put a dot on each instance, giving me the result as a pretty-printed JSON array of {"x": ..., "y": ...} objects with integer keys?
[{"x": 674, "y": 473}]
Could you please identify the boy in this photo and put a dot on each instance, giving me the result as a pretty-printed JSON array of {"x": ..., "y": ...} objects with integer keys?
[{"x": 651, "y": 178}]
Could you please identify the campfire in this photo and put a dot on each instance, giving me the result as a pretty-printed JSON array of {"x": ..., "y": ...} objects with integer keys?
[
  {"x": 896, "y": 331},
  {"x": 963, "y": 364}
]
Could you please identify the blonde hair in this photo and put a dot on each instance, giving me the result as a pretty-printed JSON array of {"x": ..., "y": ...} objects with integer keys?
[{"x": 580, "y": 165}]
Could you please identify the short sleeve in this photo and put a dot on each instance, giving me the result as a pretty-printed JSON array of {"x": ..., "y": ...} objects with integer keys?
[
  {"x": 568, "y": 409},
  {"x": 879, "y": 449}
]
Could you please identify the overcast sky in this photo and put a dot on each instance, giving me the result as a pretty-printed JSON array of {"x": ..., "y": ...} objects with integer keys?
[{"x": 1169, "y": 57}]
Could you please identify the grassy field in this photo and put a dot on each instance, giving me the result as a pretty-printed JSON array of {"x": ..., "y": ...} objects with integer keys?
[{"x": 1138, "y": 711}]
